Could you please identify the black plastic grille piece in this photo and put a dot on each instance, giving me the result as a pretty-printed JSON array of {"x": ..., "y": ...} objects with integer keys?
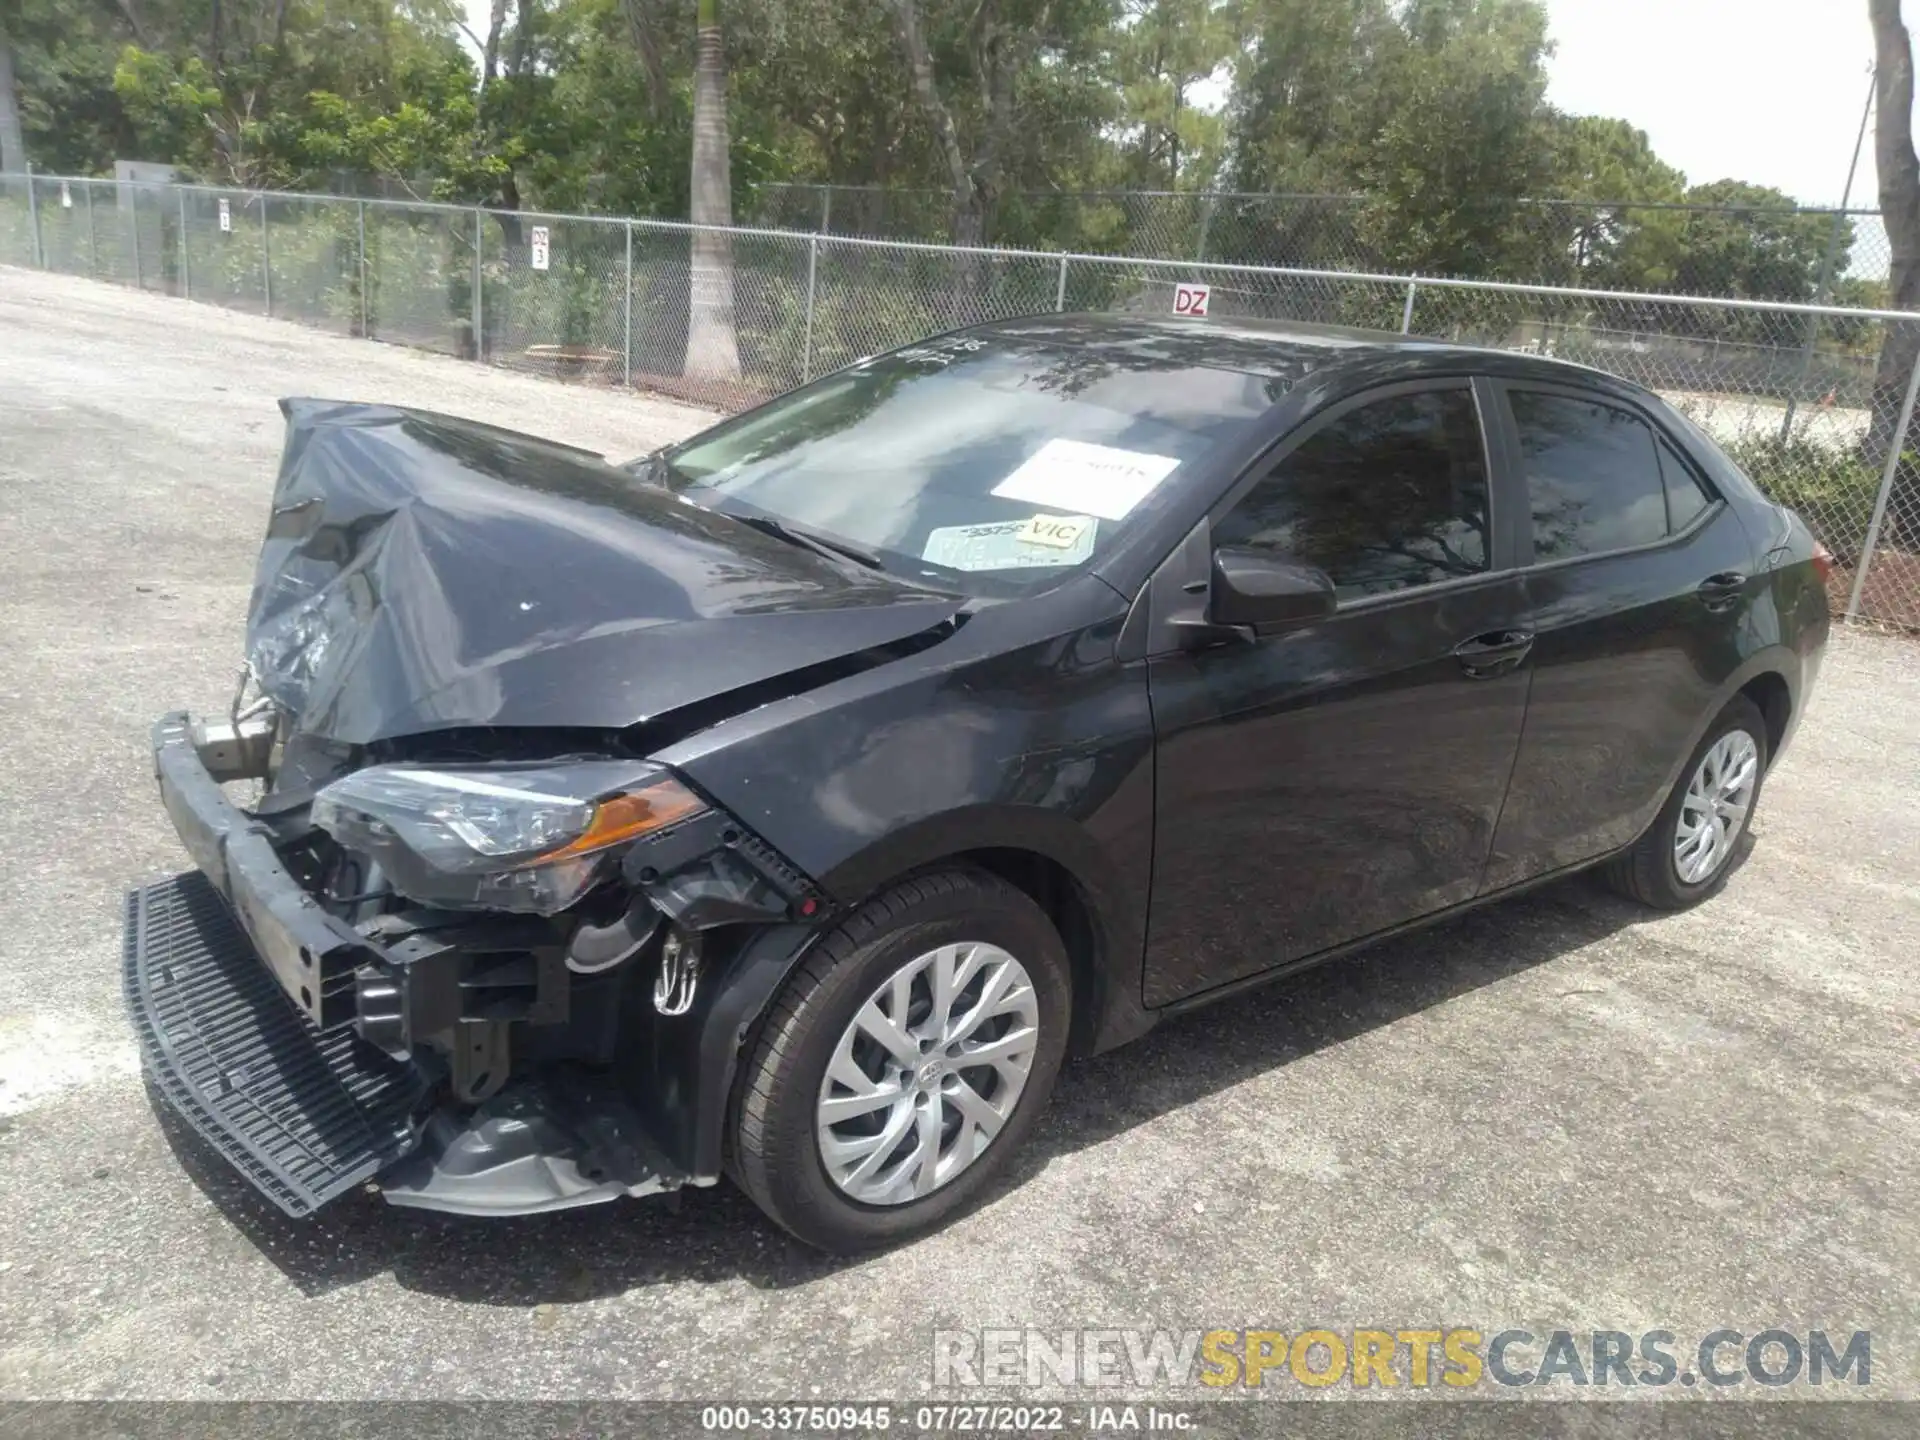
[{"x": 304, "y": 1116}]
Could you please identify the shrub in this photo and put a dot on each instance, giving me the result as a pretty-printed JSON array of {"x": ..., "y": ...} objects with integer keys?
[{"x": 1833, "y": 488}]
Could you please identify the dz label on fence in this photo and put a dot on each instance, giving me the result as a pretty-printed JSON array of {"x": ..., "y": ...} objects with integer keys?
[
  {"x": 1191, "y": 299},
  {"x": 539, "y": 246},
  {"x": 226, "y": 218}
]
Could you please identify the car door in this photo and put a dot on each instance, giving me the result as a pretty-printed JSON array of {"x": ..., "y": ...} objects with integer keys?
[
  {"x": 1640, "y": 579},
  {"x": 1342, "y": 775}
]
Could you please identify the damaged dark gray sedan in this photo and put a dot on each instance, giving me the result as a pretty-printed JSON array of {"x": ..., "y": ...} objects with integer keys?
[{"x": 786, "y": 805}]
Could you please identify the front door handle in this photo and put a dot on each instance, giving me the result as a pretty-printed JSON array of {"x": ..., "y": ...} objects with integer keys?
[
  {"x": 1722, "y": 591},
  {"x": 1497, "y": 652}
]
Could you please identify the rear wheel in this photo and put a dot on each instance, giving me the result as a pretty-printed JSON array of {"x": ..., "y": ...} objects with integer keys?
[
  {"x": 1687, "y": 852},
  {"x": 905, "y": 1061}
]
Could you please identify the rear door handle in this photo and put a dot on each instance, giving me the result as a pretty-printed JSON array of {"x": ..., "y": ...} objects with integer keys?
[
  {"x": 1497, "y": 652},
  {"x": 1720, "y": 592}
]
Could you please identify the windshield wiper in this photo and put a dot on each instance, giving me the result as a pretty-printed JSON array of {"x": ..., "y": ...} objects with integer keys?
[
  {"x": 653, "y": 469},
  {"x": 832, "y": 546}
]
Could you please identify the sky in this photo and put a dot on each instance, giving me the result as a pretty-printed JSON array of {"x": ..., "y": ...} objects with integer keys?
[{"x": 1766, "y": 91}]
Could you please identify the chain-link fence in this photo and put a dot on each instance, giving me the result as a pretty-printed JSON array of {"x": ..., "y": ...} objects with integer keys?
[
  {"x": 1815, "y": 402},
  {"x": 1758, "y": 252}
]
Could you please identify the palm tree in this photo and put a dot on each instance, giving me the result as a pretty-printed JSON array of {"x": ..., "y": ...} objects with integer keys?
[
  {"x": 712, "y": 353},
  {"x": 13, "y": 154}
]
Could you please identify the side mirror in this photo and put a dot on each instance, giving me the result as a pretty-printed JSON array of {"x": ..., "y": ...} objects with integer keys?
[{"x": 1257, "y": 587}]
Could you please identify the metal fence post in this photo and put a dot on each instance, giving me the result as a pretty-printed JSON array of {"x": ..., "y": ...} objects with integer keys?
[
  {"x": 1206, "y": 224},
  {"x": 266, "y": 258},
  {"x": 1060, "y": 287},
  {"x": 1822, "y": 293},
  {"x": 1886, "y": 491},
  {"x": 1406, "y": 312},
  {"x": 479, "y": 316},
  {"x": 360, "y": 228},
  {"x": 133, "y": 196},
  {"x": 93, "y": 245},
  {"x": 813, "y": 275},
  {"x": 626, "y": 324},
  {"x": 186, "y": 270},
  {"x": 33, "y": 214}
]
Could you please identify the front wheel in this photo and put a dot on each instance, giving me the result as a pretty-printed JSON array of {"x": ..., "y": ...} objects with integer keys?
[
  {"x": 1687, "y": 852},
  {"x": 906, "y": 1060}
]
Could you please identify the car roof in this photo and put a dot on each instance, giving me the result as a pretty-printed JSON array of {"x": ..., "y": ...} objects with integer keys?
[{"x": 1283, "y": 350}]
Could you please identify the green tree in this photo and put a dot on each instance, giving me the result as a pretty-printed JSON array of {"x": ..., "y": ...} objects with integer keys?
[
  {"x": 278, "y": 94},
  {"x": 1613, "y": 221},
  {"x": 223, "y": 88},
  {"x": 63, "y": 54},
  {"x": 1162, "y": 50},
  {"x": 1752, "y": 243},
  {"x": 978, "y": 120},
  {"x": 830, "y": 75},
  {"x": 1433, "y": 110},
  {"x": 1454, "y": 140},
  {"x": 1303, "y": 92},
  {"x": 613, "y": 129},
  {"x": 1001, "y": 84}
]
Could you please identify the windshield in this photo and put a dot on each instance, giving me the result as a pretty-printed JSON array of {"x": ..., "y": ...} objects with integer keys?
[{"x": 983, "y": 463}]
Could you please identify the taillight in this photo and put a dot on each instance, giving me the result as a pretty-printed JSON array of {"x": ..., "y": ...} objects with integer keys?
[{"x": 1823, "y": 562}]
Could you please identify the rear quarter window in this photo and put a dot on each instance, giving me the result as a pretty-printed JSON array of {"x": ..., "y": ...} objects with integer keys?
[
  {"x": 1686, "y": 498},
  {"x": 1722, "y": 474}
]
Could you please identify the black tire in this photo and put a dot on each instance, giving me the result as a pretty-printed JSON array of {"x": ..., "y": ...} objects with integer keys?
[
  {"x": 775, "y": 1153},
  {"x": 1647, "y": 872}
]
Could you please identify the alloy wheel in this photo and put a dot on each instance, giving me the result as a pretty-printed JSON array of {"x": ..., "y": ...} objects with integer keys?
[
  {"x": 1715, "y": 807},
  {"x": 927, "y": 1073}
]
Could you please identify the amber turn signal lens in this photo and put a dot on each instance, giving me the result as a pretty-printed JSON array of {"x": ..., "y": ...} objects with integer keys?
[
  {"x": 1822, "y": 562},
  {"x": 626, "y": 817}
]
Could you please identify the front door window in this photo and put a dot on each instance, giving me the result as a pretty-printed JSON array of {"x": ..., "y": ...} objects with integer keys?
[{"x": 1389, "y": 496}]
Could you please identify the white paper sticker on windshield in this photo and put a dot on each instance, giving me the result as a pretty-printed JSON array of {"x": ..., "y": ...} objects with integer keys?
[
  {"x": 1003, "y": 545},
  {"x": 1087, "y": 479}
]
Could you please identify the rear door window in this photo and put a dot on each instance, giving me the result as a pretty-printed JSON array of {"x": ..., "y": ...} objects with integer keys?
[{"x": 1593, "y": 476}]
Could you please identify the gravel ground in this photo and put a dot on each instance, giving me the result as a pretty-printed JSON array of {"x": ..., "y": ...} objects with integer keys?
[{"x": 1556, "y": 1113}]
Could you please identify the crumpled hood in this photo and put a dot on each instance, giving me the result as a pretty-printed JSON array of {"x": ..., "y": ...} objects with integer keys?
[{"x": 424, "y": 573}]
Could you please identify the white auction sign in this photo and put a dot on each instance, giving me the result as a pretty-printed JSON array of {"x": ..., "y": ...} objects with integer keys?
[
  {"x": 539, "y": 247},
  {"x": 226, "y": 218},
  {"x": 1190, "y": 299}
]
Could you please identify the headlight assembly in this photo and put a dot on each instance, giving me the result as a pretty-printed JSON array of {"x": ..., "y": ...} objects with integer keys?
[{"x": 526, "y": 838}]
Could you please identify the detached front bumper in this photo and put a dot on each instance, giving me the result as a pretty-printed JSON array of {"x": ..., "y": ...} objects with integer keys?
[
  {"x": 246, "y": 997},
  {"x": 302, "y": 1115},
  {"x": 314, "y": 955},
  {"x": 240, "y": 987}
]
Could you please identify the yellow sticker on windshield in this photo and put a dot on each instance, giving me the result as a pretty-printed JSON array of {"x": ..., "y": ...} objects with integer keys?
[
  {"x": 1000, "y": 545},
  {"x": 1058, "y": 532}
]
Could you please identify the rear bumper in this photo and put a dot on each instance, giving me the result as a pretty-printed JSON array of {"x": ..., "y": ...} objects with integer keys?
[{"x": 304, "y": 1116}]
